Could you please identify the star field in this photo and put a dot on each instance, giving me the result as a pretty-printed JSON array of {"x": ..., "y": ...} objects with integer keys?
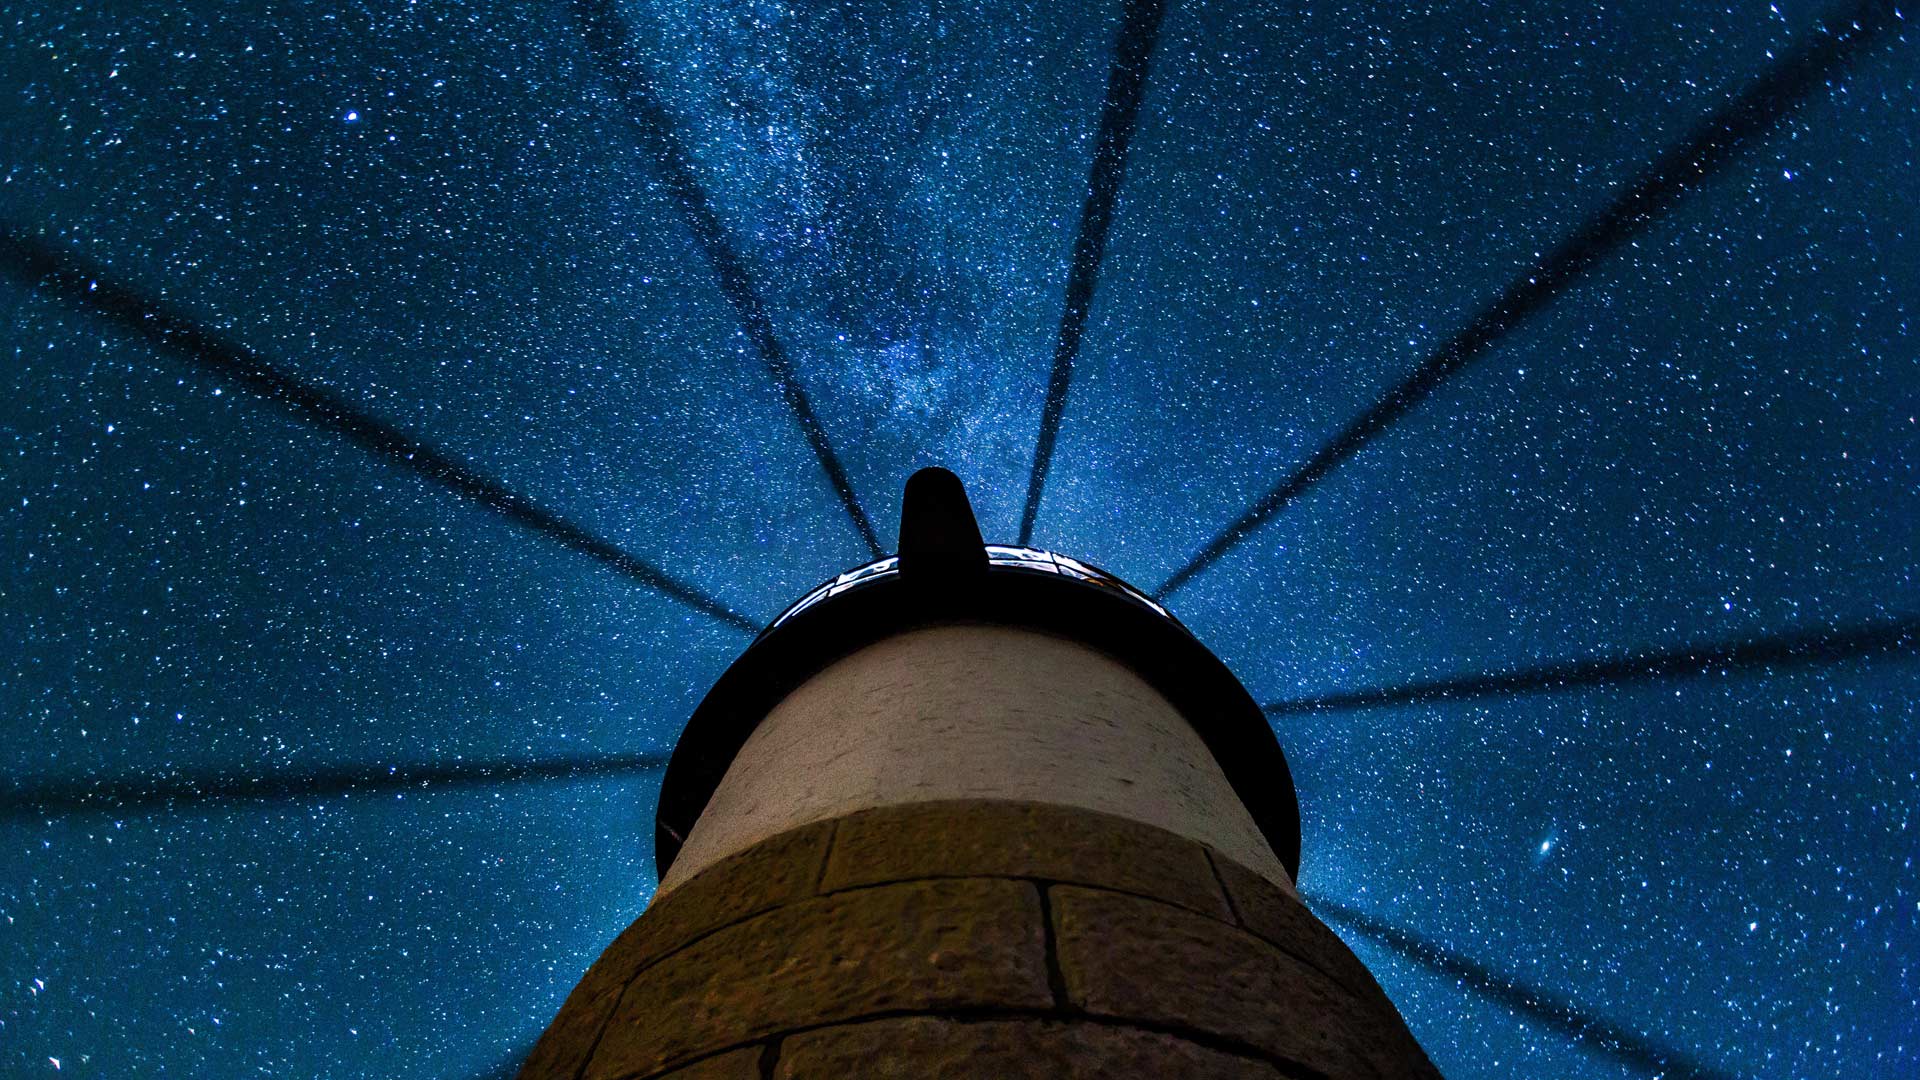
[{"x": 445, "y": 215}]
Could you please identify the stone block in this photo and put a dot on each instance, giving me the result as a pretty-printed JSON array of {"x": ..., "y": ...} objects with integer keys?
[
  {"x": 776, "y": 871},
  {"x": 924, "y": 945},
  {"x": 743, "y": 1064},
  {"x": 1138, "y": 960},
  {"x": 1021, "y": 839},
  {"x": 567, "y": 1043},
  {"x": 1282, "y": 919},
  {"x": 783, "y": 869},
  {"x": 912, "y": 1048}
]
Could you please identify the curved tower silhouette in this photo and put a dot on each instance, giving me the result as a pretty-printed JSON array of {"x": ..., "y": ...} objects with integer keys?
[{"x": 976, "y": 810}]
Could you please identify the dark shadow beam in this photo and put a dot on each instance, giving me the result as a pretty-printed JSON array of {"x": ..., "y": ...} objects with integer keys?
[
  {"x": 1555, "y": 1013},
  {"x": 1825, "y": 646},
  {"x": 1797, "y": 76},
  {"x": 139, "y": 795},
  {"x": 606, "y": 37},
  {"x": 41, "y": 266},
  {"x": 1119, "y": 117}
]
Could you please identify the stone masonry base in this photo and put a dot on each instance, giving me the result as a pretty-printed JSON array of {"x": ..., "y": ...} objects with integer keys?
[{"x": 988, "y": 939}]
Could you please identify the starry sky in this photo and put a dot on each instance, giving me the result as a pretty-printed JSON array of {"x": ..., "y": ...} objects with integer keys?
[{"x": 444, "y": 214}]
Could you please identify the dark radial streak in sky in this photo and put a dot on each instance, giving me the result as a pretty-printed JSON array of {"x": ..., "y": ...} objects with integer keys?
[
  {"x": 1119, "y": 117},
  {"x": 606, "y": 37},
  {"x": 1811, "y": 647},
  {"x": 40, "y": 265},
  {"x": 141, "y": 795},
  {"x": 1797, "y": 76},
  {"x": 1556, "y": 1014}
]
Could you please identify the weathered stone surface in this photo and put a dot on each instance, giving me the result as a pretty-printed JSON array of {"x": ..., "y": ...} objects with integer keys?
[
  {"x": 921, "y": 1046},
  {"x": 746, "y": 952},
  {"x": 1023, "y": 839},
  {"x": 924, "y": 945},
  {"x": 734, "y": 1065},
  {"x": 564, "y": 1047},
  {"x": 1139, "y": 960},
  {"x": 1283, "y": 920},
  {"x": 782, "y": 870},
  {"x": 777, "y": 871}
]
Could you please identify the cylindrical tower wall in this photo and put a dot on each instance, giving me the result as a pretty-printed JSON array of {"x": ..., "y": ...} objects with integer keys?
[
  {"x": 974, "y": 712},
  {"x": 977, "y": 939}
]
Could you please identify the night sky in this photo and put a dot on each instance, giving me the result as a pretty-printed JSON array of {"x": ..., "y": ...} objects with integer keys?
[{"x": 447, "y": 215}]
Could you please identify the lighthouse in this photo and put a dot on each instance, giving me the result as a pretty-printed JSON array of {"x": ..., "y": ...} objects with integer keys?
[{"x": 976, "y": 810}]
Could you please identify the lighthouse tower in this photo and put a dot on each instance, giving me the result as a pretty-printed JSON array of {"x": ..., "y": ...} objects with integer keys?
[{"x": 976, "y": 811}]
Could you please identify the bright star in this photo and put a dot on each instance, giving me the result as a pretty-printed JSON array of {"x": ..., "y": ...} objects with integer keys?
[{"x": 1545, "y": 849}]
